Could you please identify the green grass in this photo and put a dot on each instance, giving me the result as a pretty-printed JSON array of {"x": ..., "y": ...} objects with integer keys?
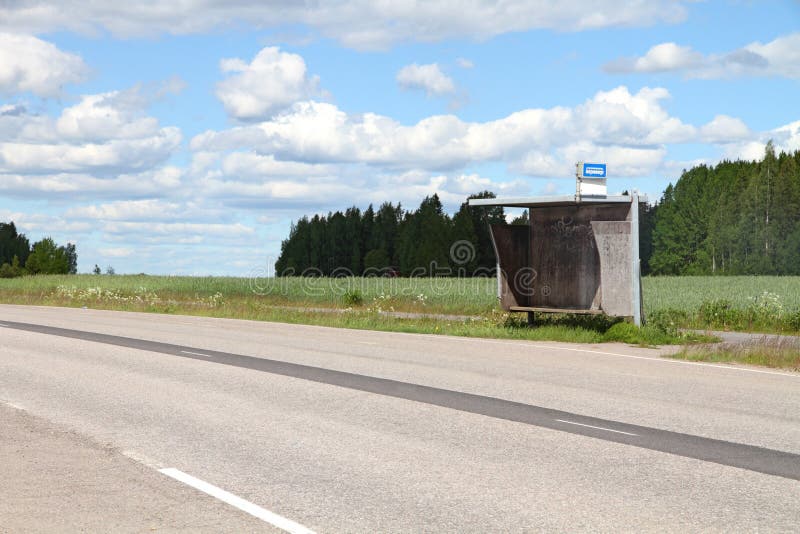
[{"x": 776, "y": 354}]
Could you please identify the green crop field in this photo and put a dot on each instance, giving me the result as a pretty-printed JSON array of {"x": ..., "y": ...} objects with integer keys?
[
  {"x": 463, "y": 295},
  {"x": 689, "y": 292}
]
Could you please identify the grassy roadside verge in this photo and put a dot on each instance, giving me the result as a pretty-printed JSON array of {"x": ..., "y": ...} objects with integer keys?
[
  {"x": 774, "y": 353},
  {"x": 767, "y": 304},
  {"x": 358, "y": 315}
]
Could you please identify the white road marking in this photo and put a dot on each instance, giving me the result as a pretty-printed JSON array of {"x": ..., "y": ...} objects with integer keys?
[
  {"x": 536, "y": 344},
  {"x": 237, "y": 502},
  {"x": 1, "y": 324},
  {"x": 142, "y": 459},
  {"x": 13, "y": 405},
  {"x": 659, "y": 359},
  {"x": 196, "y": 354},
  {"x": 367, "y": 343},
  {"x": 597, "y": 427}
]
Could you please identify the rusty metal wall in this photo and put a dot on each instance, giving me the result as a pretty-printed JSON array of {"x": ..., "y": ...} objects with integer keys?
[
  {"x": 512, "y": 246},
  {"x": 564, "y": 254}
]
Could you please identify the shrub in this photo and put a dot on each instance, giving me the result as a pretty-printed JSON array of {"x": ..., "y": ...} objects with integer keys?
[
  {"x": 719, "y": 312},
  {"x": 668, "y": 320},
  {"x": 623, "y": 332},
  {"x": 792, "y": 321},
  {"x": 11, "y": 270},
  {"x": 765, "y": 309},
  {"x": 353, "y": 297}
]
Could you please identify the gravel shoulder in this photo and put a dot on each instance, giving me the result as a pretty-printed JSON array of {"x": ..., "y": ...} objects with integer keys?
[{"x": 55, "y": 480}]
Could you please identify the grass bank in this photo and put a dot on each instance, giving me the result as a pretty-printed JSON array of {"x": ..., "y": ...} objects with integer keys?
[
  {"x": 359, "y": 303},
  {"x": 767, "y": 304},
  {"x": 779, "y": 354}
]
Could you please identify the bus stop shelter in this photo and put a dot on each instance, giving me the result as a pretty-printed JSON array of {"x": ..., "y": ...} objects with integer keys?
[{"x": 577, "y": 254}]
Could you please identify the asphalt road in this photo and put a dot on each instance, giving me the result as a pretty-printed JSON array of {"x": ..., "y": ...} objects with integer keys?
[{"x": 351, "y": 431}]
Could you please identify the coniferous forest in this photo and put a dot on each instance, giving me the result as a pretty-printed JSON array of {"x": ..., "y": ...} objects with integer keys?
[{"x": 737, "y": 217}]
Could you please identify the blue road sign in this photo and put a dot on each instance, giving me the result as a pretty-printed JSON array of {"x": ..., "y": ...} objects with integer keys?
[{"x": 594, "y": 170}]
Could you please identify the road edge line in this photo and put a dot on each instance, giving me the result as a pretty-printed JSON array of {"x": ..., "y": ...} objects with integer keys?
[{"x": 237, "y": 502}]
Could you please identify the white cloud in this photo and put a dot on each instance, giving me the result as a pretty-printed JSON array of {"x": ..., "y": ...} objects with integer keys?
[
  {"x": 621, "y": 160},
  {"x": 349, "y": 187},
  {"x": 37, "y": 225},
  {"x": 111, "y": 156},
  {"x": 103, "y": 116},
  {"x": 426, "y": 77},
  {"x": 155, "y": 182},
  {"x": 102, "y": 135},
  {"x": 316, "y": 156},
  {"x": 28, "y": 64},
  {"x": 320, "y": 133},
  {"x": 354, "y": 23},
  {"x": 786, "y": 138},
  {"x": 265, "y": 86},
  {"x": 660, "y": 58},
  {"x": 249, "y": 165},
  {"x": 145, "y": 209},
  {"x": 779, "y": 58},
  {"x": 725, "y": 129},
  {"x": 464, "y": 63}
]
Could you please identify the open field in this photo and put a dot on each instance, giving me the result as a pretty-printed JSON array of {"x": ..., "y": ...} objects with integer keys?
[
  {"x": 440, "y": 295},
  {"x": 689, "y": 292},
  {"x": 758, "y": 303}
]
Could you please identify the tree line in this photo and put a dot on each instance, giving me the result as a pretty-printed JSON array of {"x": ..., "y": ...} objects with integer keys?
[
  {"x": 392, "y": 241},
  {"x": 738, "y": 217},
  {"x": 18, "y": 257}
]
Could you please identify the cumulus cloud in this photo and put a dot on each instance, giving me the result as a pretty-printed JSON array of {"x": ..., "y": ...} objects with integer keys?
[
  {"x": 321, "y": 133},
  {"x": 660, "y": 58},
  {"x": 725, "y": 129},
  {"x": 316, "y": 155},
  {"x": 103, "y": 146},
  {"x": 429, "y": 78},
  {"x": 103, "y": 134},
  {"x": 250, "y": 165},
  {"x": 354, "y": 23},
  {"x": 265, "y": 86},
  {"x": 780, "y": 58},
  {"x": 786, "y": 138},
  {"x": 29, "y": 64}
]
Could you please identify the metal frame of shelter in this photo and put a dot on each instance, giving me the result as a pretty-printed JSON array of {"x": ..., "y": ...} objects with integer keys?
[{"x": 578, "y": 254}]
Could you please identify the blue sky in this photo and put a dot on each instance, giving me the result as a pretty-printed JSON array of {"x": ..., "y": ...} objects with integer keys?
[{"x": 185, "y": 138}]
